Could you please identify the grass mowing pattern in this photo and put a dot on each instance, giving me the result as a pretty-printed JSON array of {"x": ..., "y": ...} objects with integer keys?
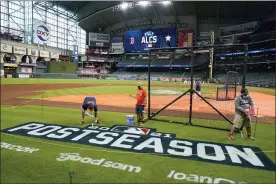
[{"x": 42, "y": 167}]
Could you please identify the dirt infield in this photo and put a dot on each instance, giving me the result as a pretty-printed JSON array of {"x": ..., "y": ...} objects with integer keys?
[{"x": 123, "y": 103}]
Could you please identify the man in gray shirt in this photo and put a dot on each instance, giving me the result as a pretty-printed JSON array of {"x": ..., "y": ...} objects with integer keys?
[{"x": 243, "y": 103}]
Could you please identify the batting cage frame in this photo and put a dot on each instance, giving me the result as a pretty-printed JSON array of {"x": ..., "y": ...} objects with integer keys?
[
  {"x": 229, "y": 90},
  {"x": 191, "y": 90}
]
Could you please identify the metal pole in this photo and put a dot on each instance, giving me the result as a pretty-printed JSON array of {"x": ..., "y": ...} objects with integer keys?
[
  {"x": 32, "y": 31},
  {"x": 211, "y": 55},
  {"x": 192, "y": 87},
  {"x": 151, "y": 116},
  {"x": 71, "y": 176},
  {"x": 245, "y": 65},
  {"x": 149, "y": 84},
  {"x": 213, "y": 108}
]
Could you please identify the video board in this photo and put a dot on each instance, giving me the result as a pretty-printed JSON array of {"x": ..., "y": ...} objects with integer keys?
[{"x": 142, "y": 40}]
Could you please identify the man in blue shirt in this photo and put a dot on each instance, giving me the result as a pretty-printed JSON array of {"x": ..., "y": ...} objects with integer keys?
[
  {"x": 89, "y": 103},
  {"x": 198, "y": 88}
]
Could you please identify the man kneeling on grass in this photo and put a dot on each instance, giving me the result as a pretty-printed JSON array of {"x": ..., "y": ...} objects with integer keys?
[{"x": 89, "y": 103}]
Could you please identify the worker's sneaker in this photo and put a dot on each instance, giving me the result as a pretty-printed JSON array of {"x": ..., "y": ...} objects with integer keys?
[
  {"x": 97, "y": 121},
  {"x": 230, "y": 137},
  {"x": 82, "y": 121},
  {"x": 251, "y": 138}
]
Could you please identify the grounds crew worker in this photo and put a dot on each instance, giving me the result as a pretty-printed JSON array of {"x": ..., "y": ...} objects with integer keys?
[
  {"x": 141, "y": 97},
  {"x": 243, "y": 103}
]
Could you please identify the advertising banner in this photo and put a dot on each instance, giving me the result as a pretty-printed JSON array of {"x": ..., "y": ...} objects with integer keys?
[
  {"x": 126, "y": 77},
  {"x": 41, "y": 33},
  {"x": 19, "y": 50},
  {"x": 98, "y": 44},
  {"x": 154, "y": 78},
  {"x": 98, "y": 37},
  {"x": 185, "y": 38},
  {"x": 177, "y": 79},
  {"x": 54, "y": 55},
  {"x": 2, "y": 73},
  {"x": 238, "y": 29},
  {"x": 23, "y": 75},
  {"x": 165, "y": 79},
  {"x": 142, "y": 40},
  {"x": 26, "y": 70},
  {"x": 32, "y": 52},
  {"x": 43, "y": 53},
  {"x": 6, "y": 48},
  {"x": 117, "y": 39},
  {"x": 117, "y": 45}
]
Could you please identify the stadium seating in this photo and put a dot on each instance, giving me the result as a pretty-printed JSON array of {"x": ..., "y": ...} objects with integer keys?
[
  {"x": 161, "y": 62},
  {"x": 142, "y": 62}
]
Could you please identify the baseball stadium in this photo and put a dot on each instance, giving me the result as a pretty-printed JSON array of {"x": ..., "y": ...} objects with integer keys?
[{"x": 138, "y": 92}]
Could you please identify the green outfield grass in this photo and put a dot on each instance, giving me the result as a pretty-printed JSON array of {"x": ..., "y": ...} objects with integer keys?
[
  {"x": 42, "y": 166},
  {"x": 209, "y": 87}
]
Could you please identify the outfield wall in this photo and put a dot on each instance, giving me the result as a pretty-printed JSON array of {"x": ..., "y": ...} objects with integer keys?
[{"x": 62, "y": 67}]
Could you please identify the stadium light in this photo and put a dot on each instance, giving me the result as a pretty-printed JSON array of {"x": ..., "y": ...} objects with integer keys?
[
  {"x": 143, "y": 3},
  {"x": 166, "y": 3},
  {"x": 124, "y": 6}
]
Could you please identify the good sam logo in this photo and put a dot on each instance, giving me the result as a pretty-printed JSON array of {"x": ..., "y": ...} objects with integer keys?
[{"x": 136, "y": 139}]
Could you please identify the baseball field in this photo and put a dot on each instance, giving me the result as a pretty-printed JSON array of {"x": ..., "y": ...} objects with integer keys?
[{"x": 42, "y": 140}]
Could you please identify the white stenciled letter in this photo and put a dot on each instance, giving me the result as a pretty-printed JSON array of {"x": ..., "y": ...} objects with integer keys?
[
  {"x": 218, "y": 154},
  {"x": 248, "y": 155},
  {"x": 85, "y": 133},
  {"x": 184, "y": 150},
  {"x": 157, "y": 145},
  {"x": 63, "y": 133},
  {"x": 44, "y": 130},
  {"x": 31, "y": 126},
  {"x": 103, "y": 136},
  {"x": 124, "y": 138}
]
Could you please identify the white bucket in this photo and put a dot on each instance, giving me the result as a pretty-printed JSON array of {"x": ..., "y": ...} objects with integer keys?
[{"x": 130, "y": 120}]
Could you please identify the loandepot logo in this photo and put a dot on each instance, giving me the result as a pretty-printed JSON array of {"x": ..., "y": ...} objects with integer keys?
[
  {"x": 136, "y": 139},
  {"x": 42, "y": 33}
]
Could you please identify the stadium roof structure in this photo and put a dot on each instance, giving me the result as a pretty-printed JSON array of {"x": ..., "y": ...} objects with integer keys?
[{"x": 92, "y": 14}]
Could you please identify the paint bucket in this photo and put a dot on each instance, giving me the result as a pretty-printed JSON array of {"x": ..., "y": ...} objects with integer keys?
[{"x": 130, "y": 120}]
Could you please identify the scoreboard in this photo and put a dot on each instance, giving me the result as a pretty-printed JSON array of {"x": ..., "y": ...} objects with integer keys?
[{"x": 142, "y": 40}]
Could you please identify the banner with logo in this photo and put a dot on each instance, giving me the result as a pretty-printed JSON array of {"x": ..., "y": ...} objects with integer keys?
[
  {"x": 75, "y": 53},
  {"x": 26, "y": 70},
  {"x": 246, "y": 28},
  {"x": 43, "y": 53},
  {"x": 126, "y": 77},
  {"x": 117, "y": 39},
  {"x": 154, "y": 78},
  {"x": 41, "y": 33},
  {"x": 142, "y": 40},
  {"x": 19, "y": 50},
  {"x": 6, "y": 48},
  {"x": 185, "y": 38},
  {"x": 165, "y": 79},
  {"x": 117, "y": 45},
  {"x": 54, "y": 55},
  {"x": 98, "y": 37},
  {"x": 32, "y": 52},
  {"x": 2, "y": 73},
  {"x": 177, "y": 79}
]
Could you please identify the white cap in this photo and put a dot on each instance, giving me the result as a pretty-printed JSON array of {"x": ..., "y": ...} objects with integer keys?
[{"x": 139, "y": 84}]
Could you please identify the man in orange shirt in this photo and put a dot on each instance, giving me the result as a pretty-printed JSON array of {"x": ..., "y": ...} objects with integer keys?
[{"x": 141, "y": 97}]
